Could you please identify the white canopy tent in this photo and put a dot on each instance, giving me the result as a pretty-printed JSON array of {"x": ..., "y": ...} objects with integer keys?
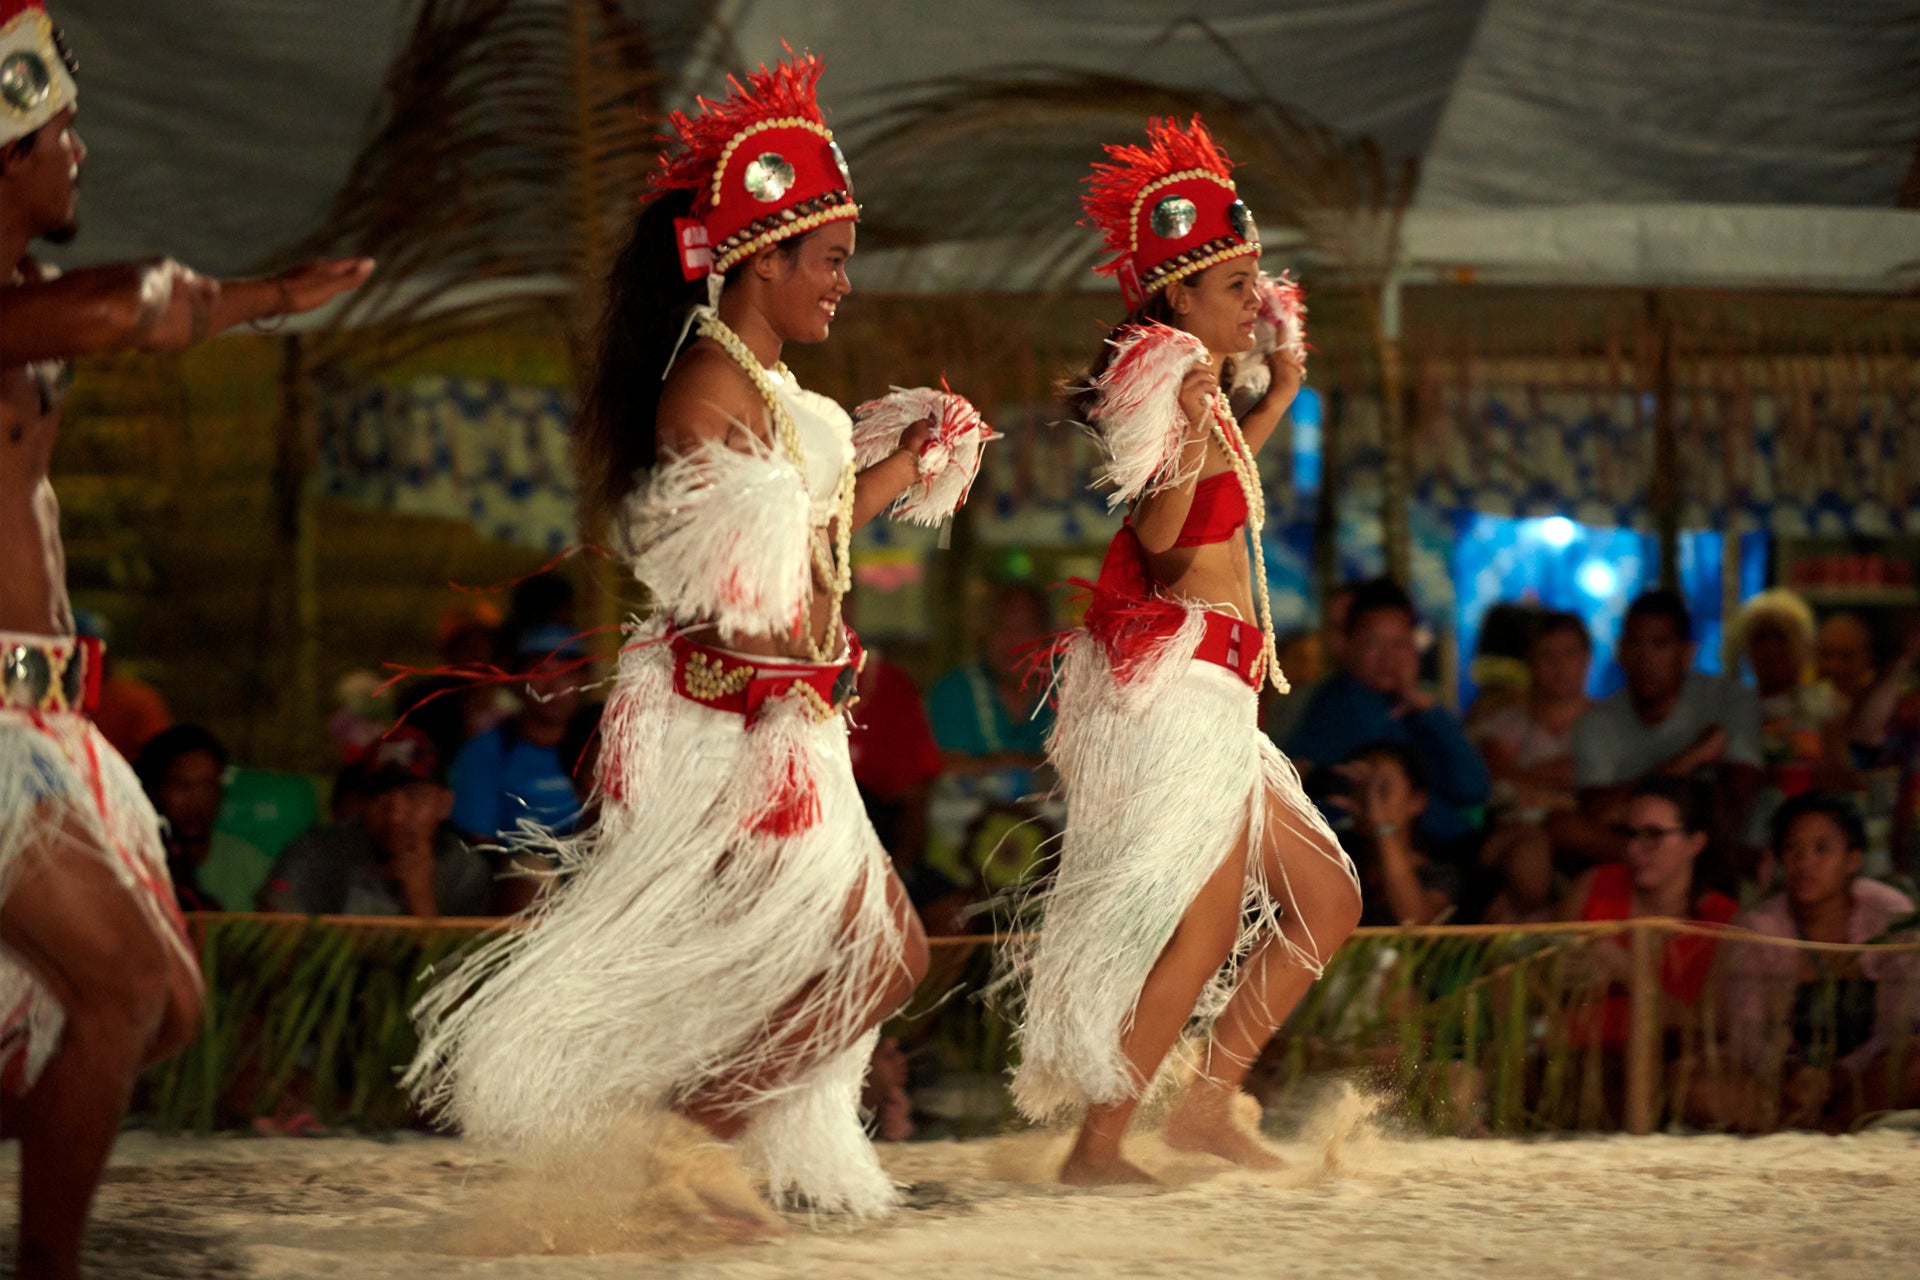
[{"x": 1744, "y": 143}]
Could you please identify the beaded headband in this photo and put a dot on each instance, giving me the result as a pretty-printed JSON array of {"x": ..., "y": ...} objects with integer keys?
[
  {"x": 762, "y": 165},
  {"x": 36, "y": 71},
  {"x": 1168, "y": 209}
]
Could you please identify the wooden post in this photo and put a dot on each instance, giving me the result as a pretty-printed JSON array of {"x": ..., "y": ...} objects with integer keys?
[
  {"x": 1643, "y": 1030},
  {"x": 297, "y": 629},
  {"x": 1666, "y": 485},
  {"x": 1396, "y": 487}
]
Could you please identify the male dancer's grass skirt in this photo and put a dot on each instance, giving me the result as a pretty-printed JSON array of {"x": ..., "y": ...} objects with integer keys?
[
  {"x": 62, "y": 783},
  {"x": 1164, "y": 768},
  {"x": 731, "y": 887}
]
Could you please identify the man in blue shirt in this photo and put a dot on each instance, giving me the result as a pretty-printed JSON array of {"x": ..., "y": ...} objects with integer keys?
[
  {"x": 1378, "y": 699},
  {"x": 514, "y": 771}
]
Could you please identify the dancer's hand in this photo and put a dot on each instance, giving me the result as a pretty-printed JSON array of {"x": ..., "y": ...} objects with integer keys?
[
  {"x": 1286, "y": 373},
  {"x": 1197, "y": 391},
  {"x": 311, "y": 284}
]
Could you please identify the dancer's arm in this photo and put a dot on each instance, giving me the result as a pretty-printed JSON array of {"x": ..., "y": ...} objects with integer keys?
[
  {"x": 1159, "y": 516},
  {"x": 876, "y": 488},
  {"x": 1259, "y": 422},
  {"x": 157, "y": 305}
]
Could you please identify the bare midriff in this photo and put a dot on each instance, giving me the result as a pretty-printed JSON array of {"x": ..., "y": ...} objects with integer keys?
[{"x": 1217, "y": 575}]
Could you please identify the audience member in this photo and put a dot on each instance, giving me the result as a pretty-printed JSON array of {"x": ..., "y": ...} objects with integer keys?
[
  {"x": 895, "y": 762},
  {"x": 452, "y": 708},
  {"x": 514, "y": 770},
  {"x": 1667, "y": 722},
  {"x": 184, "y": 772},
  {"x": 1811, "y": 1035},
  {"x": 1376, "y": 698},
  {"x": 128, "y": 712},
  {"x": 1499, "y": 670},
  {"x": 1801, "y": 722},
  {"x": 1884, "y": 728},
  {"x": 1670, "y": 869},
  {"x": 991, "y": 724},
  {"x": 1399, "y": 884},
  {"x": 362, "y": 712},
  {"x": 397, "y": 858},
  {"x": 1844, "y": 655},
  {"x": 1280, "y": 713},
  {"x": 1528, "y": 747},
  {"x": 539, "y": 602}
]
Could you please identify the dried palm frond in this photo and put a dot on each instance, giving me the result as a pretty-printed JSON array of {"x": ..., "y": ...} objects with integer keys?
[
  {"x": 507, "y": 150},
  {"x": 980, "y": 157}
]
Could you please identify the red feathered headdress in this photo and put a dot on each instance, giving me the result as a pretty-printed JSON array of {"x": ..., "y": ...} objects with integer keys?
[
  {"x": 762, "y": 166},
  {"x": 1167, "y": 209},
  {"x": 36, "y": 75}
]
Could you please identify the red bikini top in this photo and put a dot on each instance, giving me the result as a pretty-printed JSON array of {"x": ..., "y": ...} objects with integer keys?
[{"x": 1219, "y": 510}]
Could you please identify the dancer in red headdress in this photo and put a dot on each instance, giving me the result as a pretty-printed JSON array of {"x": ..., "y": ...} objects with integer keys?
[
  {"x": 1196, "y": 879},
  {"x": 96, "y": 976},
  {"x": 731, "y": 933}
]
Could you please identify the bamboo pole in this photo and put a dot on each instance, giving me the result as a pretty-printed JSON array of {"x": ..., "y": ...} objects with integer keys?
[
  {"x": 1396, "y": 489},
  {"x": 1664, "y": 485},
  {"x": 1643, "y": 1031}
]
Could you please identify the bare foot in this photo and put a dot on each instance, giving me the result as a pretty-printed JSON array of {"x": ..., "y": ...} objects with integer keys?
[
  {"x": 1117, "y": 1172},
  {"x": 1204, "y": 1120},
  {"x": 743, "y": 1221}
]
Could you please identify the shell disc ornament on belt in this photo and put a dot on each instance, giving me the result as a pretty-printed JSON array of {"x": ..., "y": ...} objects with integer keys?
[{"x": 768, "y": 177}]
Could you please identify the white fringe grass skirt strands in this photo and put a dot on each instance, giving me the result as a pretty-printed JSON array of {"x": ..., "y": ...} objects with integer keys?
[
  {"x": 1162, "y": 775},
  {"x": 679, "y": 930},
  {"x": 59, "y": 776}
]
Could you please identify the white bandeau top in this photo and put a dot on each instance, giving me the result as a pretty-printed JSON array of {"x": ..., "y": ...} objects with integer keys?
[{"x": 826, "y": 435}]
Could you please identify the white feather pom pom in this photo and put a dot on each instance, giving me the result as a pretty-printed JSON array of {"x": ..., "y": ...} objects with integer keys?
[
  {"x": 1137, "y": 418},
  {"x": 1281, "y": 325},
  {"x": 949, "y": 460},
  {"x": 724, "y": 535}
]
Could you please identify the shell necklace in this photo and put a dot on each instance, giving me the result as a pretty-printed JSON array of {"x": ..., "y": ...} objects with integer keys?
[
  {"x": 1226, "y": 428},
  {"x": 832, "y": 561}
]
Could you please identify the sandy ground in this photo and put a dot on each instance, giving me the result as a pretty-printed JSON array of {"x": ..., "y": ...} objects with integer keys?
[{"x": 1352, "y": 1203}]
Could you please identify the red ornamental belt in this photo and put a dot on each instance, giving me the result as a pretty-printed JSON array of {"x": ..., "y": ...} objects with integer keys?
[
  {"x": 731, "y": 682},
  {"x": 49, "y": 675},
  {"x": 1233, "y": 644}
]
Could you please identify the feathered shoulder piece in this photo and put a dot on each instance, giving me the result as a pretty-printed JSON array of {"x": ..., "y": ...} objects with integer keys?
[
  {"x": 724, "y": 535},
  {"x": 1168, "y": 209},
  {"x": 1136, "y": 415},
  {"x": 950, "y": 459},
  {"x": 761, "y": 163}
]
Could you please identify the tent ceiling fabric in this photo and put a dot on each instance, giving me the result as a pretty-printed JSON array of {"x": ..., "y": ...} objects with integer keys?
[{"x": 220, "y": 128}]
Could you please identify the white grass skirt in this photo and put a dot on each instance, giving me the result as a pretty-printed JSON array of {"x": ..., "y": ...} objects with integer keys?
[
  {"x": 57, "y": 773},
  {"x": 1163, "y": 775},
  {"x": 653, "y": 970}
]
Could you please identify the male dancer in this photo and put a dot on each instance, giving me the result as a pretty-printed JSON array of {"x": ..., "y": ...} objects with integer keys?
[{"x": 96, "y": 978}]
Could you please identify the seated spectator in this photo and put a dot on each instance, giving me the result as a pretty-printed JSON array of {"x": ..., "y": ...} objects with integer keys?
[
  {"x": 1528, "y": 747},
  {"x": 991, "y": 724},
  {"x": 1377, "y": 698},
  {"x": 1399, "y": 885},
  {"x": 398, "y": 858},
  {"x": 539, "y": 602},
  {"x": 128, "y": 712},
  {"x": 1844, "y": 656},
  {"x": 528, "y": 870},
  {"x": 1499, "y": 670},
  {"x": 1669, "y": 871},
  {"x": 1281, "y": 712},
  {"x": 895, "y": 763},
  {"x": 1885, "y": 731},
  {"x": 184, "y": 772},
  {"x": 514, "y": 772},
  {"x": 1801, "y": 722},
  {"x": 1667, "y": 722},
  {"x": 450, "y": 708},
  {"x": 1811, "y": 1035}
]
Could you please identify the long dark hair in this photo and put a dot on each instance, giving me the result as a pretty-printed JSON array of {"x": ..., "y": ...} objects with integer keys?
[
  {"x": 1079, "y": 393},
  {"x": 648, "y": 297}
]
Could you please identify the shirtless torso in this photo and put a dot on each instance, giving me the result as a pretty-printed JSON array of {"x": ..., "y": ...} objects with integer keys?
[{"x": 33, "y": 577}]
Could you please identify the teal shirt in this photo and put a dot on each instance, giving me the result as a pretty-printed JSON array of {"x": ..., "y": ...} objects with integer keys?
[{"x": 969, "y": 717}]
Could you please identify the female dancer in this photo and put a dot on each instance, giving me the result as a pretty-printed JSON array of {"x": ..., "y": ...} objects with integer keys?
[
  {"x": 731, "y": 934},
  {"x": 1190, "y": 845}
]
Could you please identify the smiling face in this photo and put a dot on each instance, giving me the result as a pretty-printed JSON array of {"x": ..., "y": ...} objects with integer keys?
[
  {"x": 805, "y": 281},
  {"x": 1219, "y": 305},
  {"x": 41, "y": 180}
]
